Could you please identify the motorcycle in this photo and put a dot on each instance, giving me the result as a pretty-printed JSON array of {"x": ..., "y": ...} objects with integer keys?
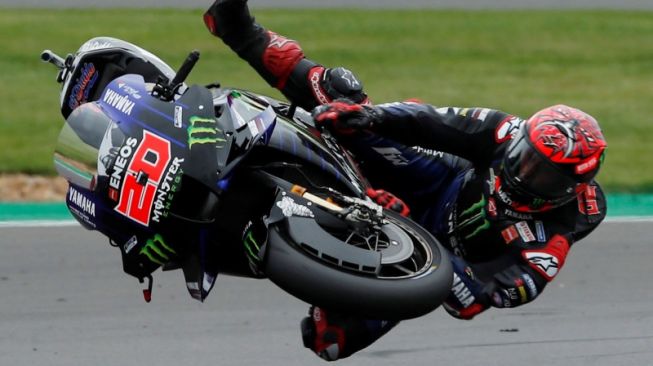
[{"x": 214, "y": 180}]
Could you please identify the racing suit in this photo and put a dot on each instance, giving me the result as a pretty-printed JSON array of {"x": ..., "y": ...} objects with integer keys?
[{"x": 445, "y": 163}]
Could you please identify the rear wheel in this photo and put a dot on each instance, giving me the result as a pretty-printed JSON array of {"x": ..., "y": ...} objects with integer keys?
[{"x": 390, "y": 269}]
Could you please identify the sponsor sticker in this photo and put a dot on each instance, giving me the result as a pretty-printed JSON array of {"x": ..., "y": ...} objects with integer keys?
[
  {"x": 507, "y": 129},
  {"x": 481, "y": 114},
  {"x": 95, "y": 45},
  {"x": 587, "y": 166},
  {"x": 509, "y": 234},
  {"x": 517, "y": 215},
  {"x": 456, "y": 247},
  {"x": 546, "y": 263},
  {"x": 120, "y": 102},
  {"x": 548, "y": 260},
  {"x": 82, "y": 207},
  {"x": 587, "y": 202},
  {"x": 143, "y": 176},
  {"x": 530, "y": 285},
  {"x": 539, "y": 230},
  {"x": 81, "y": 201},
  {"x": 315, "y": 85},
  {"x": 179, "y": 116},
  {"x": 519, "y": 284},
  {"x": 429, "y": 152},
  {"x": 290, "y": 208},
  {"x": 492, "y": 207},
  {"x": 525, "y": 231},
  {"x": 393, "y": 155},
  {"x": 130, "y": 244},
  {"x": 83, "y": 85},
  {"x": 167, "y": 189},
  {"x": 129, "y": 90},
  {"x": 119, "y": 166},
  {"x": 462, "y": 292}
]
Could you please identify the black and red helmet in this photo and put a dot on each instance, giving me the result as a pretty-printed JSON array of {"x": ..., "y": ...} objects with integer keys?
[{"x": 554, "y": 154}]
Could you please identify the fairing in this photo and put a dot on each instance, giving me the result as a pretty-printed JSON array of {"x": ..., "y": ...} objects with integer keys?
[
  {"x": 150, "y": 173},
  {"x": 298, "y": 139},
  {"x": 100, "y": 60}
]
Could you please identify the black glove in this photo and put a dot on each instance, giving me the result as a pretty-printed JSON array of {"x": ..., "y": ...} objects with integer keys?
[
  {"x": 344, "y": 116},
  {"x": 515, "y": 285},
  {"x": 226, "y": 16}
]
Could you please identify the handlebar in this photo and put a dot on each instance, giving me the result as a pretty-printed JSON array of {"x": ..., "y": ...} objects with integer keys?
[
  {"x": 185, "y": 68},
  {"x": 164, "y": 89},
  {"x": 53, "y": 58}
]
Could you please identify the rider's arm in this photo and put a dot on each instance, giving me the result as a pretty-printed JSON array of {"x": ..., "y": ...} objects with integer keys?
[
  {"x": 469, "y": 133},
  {"x": 538, "y": 250},
  {"x": 525, "y": 280},
  {"x": 516, "y": 278},
  {"x": 279, "y": 60}
]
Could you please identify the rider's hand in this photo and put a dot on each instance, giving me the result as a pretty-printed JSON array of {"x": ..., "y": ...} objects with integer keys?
[
  {"x": 468, "y": 296},
  {"x": 344, "y": 116},
  {"x": 388, "y": 201}
]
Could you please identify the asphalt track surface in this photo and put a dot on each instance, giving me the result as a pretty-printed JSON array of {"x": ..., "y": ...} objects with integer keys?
[
  {"x": 448, "y": 4},
  {"x": 65, "y": 301}
]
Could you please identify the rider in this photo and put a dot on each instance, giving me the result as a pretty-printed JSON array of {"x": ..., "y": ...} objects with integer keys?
[{"x": 507, "y": 196}]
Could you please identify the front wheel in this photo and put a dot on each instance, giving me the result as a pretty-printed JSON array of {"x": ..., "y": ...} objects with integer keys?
[{"x": 391, "y": 270}]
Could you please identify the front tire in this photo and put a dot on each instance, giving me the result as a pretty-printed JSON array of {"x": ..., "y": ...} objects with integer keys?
[{"x": 411, "y": 279}]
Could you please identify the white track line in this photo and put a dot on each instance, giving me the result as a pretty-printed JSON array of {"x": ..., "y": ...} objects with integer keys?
[
  {"x": 67, "y": 223},
  {"x": 38, "y": 223}
]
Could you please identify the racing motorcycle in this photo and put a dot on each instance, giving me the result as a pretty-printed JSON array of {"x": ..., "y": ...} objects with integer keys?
[{"x": 212, "y": 180}]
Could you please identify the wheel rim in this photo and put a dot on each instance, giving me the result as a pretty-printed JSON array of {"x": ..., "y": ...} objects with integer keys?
[{"x": 404, "y": 252}]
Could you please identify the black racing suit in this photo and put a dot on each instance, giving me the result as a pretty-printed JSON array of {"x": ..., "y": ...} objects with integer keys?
[
  {"x": 459, "y": 197},
  {"x": 445, "y": 164}
]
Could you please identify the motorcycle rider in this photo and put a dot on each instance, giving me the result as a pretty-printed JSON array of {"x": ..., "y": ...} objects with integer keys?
[{"x": 507, "y": 196}]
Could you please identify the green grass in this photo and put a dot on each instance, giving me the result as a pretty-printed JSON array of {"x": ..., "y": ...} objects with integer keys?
[{"x": 517, "y": 61}]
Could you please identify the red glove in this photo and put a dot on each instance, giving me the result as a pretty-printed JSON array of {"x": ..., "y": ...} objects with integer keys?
[
  {"x": 344, "y": 116},
  {"x": 388, "y": 201}
]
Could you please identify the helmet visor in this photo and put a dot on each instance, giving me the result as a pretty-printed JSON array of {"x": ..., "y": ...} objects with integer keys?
[
  {"x": 85, "y": 146},
  {"x": 532, "y": 174}
]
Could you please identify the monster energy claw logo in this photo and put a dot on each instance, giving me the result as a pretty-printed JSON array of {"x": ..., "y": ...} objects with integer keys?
[
  {"x": 251, "y": 248},
  {"x": 203, "y": 131},
  {"x": 157, "y": 251},
  {"x": 538, "y": 202},
  {"x": 474, "y": 215}
]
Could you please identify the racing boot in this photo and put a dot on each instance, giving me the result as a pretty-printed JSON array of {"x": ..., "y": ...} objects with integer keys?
[
  {"x": 229, "y": 20},
  {"x": 334, "y": 336}
]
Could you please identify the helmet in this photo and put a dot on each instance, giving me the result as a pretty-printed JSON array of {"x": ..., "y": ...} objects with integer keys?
[{"x": 553, "y": 156}]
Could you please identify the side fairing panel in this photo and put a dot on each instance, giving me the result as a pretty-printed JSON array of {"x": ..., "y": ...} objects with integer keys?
[{"x": 309, "y": 145}]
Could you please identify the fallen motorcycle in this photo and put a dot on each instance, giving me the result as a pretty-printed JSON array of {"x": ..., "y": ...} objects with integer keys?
[{"x": 214, "y": 180}]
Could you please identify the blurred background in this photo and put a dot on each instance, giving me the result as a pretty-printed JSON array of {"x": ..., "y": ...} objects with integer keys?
[{"x": 517, "y": 56}]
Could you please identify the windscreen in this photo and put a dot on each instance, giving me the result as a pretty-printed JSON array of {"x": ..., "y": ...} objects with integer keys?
[{"x": 87, "y": 146}]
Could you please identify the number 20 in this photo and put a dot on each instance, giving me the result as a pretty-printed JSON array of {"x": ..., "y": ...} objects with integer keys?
[{"x": 151, "y": 158}]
